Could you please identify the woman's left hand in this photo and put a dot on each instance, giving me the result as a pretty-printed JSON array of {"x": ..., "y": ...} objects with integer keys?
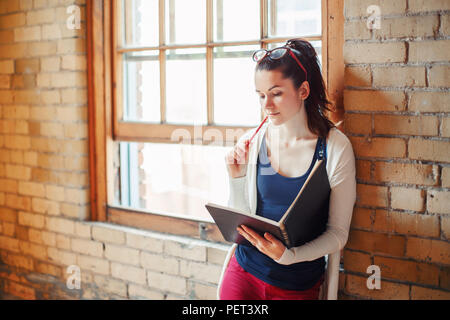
[{"x": 269, "y": 245}]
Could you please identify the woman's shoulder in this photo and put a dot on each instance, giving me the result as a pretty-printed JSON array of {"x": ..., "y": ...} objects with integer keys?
[
  {"x": 341, "y": 162},
  {"x": 337, "y": 138},
  {"x": 338, "y": 142}
]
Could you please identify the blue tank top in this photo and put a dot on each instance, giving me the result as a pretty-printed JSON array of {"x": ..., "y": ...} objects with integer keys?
[{"x": 275, "y": 194}]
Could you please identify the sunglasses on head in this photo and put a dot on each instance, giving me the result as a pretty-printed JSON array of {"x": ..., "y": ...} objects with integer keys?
[{"x": 276, "y": 54}]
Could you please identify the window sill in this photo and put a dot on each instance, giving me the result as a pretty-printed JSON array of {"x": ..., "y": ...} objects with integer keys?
[{"x": 169, "y": 224}]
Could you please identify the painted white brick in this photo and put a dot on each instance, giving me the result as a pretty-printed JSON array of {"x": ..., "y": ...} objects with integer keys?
[
  {"x": 122, "y": 254},
  {"x": 128, "y": 273},
  {"x": 158, "y": 262},
  {"x": 166, "y": 282},
  {"x": 189, "y": 250}
]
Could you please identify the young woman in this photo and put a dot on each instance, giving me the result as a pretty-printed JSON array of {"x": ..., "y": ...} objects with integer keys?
[{"x": 266, "y": 175}]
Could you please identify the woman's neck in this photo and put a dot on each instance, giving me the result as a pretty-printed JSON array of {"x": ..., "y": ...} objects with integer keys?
[{"x": 293, "y": 130}]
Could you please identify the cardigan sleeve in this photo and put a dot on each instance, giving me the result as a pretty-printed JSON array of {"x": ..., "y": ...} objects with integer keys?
[
  {"x": 239, "y": 198},
  {"x": 342, "y": 200},
  {"x": 238, "y": 194}
]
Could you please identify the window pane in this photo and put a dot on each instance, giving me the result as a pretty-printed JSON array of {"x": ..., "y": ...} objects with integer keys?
[
  {"x": 236, "y": 20},
  {"x": 273, "y": 45},
  {"x": 171, "y": 178},
  {"x": 297, "y": 18},
  {"x": 141, "y": 22},
  {"x": 186, "y": 86},
  {"x": 141, "y": 87},
  {"x": 318, "y": 47},
  {"x": 235, "y": 99},
  {"x": 185, "y": 21}
]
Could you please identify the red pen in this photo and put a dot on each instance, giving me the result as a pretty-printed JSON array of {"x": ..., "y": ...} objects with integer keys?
[{"x": 250, "y": 141}]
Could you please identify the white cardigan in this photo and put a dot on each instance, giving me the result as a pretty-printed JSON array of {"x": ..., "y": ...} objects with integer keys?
[{"x": 342, "y": 177}]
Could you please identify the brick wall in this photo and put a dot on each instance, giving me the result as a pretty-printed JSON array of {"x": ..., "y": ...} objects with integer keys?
[
  {"x": 44, "y": 185},
  {"x": 397, "y": 103}
]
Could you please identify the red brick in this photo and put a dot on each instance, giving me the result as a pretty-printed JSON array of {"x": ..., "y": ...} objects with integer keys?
[
  {"x": 410, "y": 173},
  {"x": 50, "y": 269},
  {"x": 373, "y": 100},
  {"x": 445, "y": 227},
  {"x": 379, "y": 147},
  {"x": 406, "y": 270},
  {"x": 362, "y": 218},
  {"x": 8, "y": 185},
  {"x": 357, "y": 76},
  {"x": 20, "y": 290},
  {"x": 428, "y": 250},
  {"x": 12, "y": 20},
  {"x": 9, "y": 229},
  {"x": 444, "y": 277},
  {"x": 358, "y": 123},
  {"x": 376, "y": 242},
  {"x": 357, "y": 285},
  {"x": 433, "y": 150},
  {"x": 17, "y": 260},
  {"x": 34, "y": 250},
  {"x": 5, "y": 81},
  {"x": 369, "y": 195},
  {"x": 13, "y": 51},
  {"x": 9, "y": 244},
  {"x": 16, "y": 202},
  {"x": 7, "y": 67},
  {"x": 9, "y": 6},
  {"x": 406, "y": 125},
  {"x": 374, "y": 52},
  {"x": 6, "y": 36},
  {"x": 8, "y": 214},
  {"x": 421, "y": 293},
  {"x": 364, "y": 170},
  {"x": 356, "y": 261},
  {"x": 406, "y": 223}
]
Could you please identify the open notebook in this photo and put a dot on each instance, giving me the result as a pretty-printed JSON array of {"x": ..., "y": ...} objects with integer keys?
[{"x": 304, "y": 220}]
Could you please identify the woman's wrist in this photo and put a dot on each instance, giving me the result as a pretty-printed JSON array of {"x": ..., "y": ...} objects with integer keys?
[{"x": 286, "y": 258}]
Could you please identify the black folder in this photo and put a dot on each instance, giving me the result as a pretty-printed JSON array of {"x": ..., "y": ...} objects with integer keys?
[{"x": 304, "y": 220}]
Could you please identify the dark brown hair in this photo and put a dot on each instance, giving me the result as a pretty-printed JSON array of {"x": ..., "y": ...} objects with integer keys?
[{"x": 317, "y": 104}]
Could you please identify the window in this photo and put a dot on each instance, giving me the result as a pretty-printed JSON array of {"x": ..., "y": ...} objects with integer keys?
[{"x": 172, "y": 89}]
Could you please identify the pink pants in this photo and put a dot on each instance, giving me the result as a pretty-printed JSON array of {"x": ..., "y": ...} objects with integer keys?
[{"x": 238, "y": 284}]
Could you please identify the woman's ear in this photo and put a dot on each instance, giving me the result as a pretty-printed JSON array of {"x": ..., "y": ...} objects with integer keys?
[{"x": 304, "y": 90}]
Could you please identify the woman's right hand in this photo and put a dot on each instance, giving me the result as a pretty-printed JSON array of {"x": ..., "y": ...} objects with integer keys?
[{"x": 237, "y": 159}]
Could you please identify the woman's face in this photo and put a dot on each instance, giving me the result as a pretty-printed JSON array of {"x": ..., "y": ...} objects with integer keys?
[{"x": 278, "y": 97}]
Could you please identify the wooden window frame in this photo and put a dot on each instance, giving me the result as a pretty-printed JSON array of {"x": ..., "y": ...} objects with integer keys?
[{"x": 104, "y": 111}]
